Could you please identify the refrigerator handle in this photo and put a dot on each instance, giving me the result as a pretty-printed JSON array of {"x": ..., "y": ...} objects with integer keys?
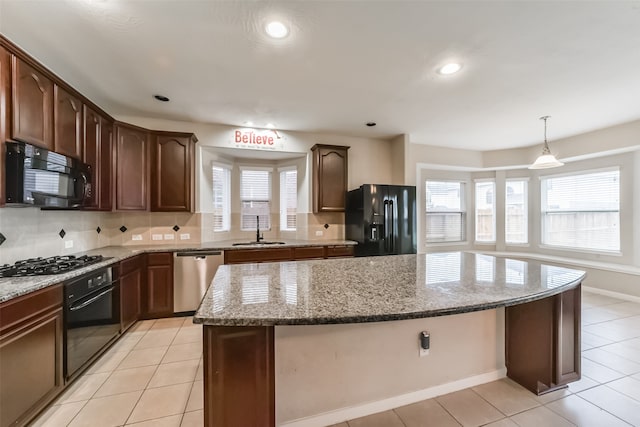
[
  {"x": 386, "y": 228},
  {"x": 392, "y": 223}
]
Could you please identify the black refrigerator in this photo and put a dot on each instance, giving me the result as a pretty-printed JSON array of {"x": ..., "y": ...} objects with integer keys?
[{"x": 382, "y": 219}]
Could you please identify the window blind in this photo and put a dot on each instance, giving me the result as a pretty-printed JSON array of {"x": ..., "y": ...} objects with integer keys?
[
  {"x": 582, "y": 211},
  {"x": 516, "y": 212},
  {"x": 288, "y": 199},
  {"x": 221, "y": 198},
  {"x": 255, "y": 199},
  {"x": 485, "y": 211},
  {"x": 445, "y": 214}
]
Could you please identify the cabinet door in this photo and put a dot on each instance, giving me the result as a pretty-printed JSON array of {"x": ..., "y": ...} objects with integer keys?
[
  {"x": 32, "y": 105},
  {"x": 329, "y": 178},
  {"x": 98, "y": 145},
  {"x": 131, "y": 169},
  {"x": 159, "y": 288},
  {"x": 171, "y": 174},
  {"x": 67, "y": 123},
  {"x": 130, "y": 285},
  {"x": 5, "y": 115}
]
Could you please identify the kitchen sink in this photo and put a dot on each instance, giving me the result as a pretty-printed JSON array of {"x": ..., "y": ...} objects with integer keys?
[{"x": 257, "y": 243}]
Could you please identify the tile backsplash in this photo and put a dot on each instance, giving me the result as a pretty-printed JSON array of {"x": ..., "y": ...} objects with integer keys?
[{"x": 31, "y": 232}]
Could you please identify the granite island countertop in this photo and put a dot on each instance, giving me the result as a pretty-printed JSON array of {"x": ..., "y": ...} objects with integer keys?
[
  {"x": 12, "y": 287},
  {"x": 372, "y": 289}
]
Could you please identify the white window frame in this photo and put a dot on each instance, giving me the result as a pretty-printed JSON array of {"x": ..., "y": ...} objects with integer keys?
[
  {"x": 225, "y": 223},
  {"x": 284, "y": 198},
  {"x": 462, "y": 212},
  {"x": 250, "y": 226},
  {"x": 525, "y": 208},
  {"x": 543, "y": 194},
  {"x": 476, "y": 182}
]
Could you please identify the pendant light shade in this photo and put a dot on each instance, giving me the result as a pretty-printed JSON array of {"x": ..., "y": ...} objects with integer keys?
[{"x": 546, "y": 159}]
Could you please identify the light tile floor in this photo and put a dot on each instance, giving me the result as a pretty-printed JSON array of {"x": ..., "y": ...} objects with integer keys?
[{"x": 153, "y": 377}]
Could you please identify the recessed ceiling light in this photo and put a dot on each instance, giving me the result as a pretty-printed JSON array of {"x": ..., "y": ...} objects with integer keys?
[
  {"x": 161, "y": 98},
  {"x": 277, "y": 29},
  {"x": 270, "y": 126},
  {"x": 450, "y": 68}
]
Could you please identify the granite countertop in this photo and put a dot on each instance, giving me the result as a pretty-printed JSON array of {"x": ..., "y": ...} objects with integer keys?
[
  {"x": 372, "y": 289},
  {"x": 12, "y": 287}
]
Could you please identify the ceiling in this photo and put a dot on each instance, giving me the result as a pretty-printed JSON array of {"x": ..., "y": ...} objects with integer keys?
[{"x": 346, "y": 63}]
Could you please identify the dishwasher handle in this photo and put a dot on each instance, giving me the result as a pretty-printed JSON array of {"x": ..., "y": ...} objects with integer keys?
[{"x": 198, "y": 254}]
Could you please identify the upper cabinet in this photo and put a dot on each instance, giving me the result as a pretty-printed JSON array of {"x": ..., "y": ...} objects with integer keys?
[
  {"x": 67, "y": 123},
  {"x": 98, "y": 144},
  {"x": 5, "y": 112},
  {"x": 329, "y": 177},
  {"x": 172, "y": 171},
  {"x": 32, "y": 105},
  {"x": 132, "y": 162}
]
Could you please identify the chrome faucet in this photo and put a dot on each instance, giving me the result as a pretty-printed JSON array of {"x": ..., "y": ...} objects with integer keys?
[{"x": 258, "y": 237}]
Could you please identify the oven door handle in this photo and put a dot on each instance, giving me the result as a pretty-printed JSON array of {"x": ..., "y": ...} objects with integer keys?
[{"x": 92, "y": 300}]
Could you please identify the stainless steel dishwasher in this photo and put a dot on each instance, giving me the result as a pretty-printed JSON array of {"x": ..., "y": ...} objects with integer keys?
[{"x": 192, "y": 275}]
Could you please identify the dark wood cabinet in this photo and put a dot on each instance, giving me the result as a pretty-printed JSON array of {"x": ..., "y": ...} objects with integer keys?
[
  {"x": 158, "y": 292},
  {"x": 240, "y": 256},
  {"x": 542, "y": 348},
  {"x": 5, "y": 113},
  {"x": 132, "y": 168},
  {"x": 239, "y": 382},
  {"x": 339, "y": 251},
  {"x": 67, "y": 123},
  {"x": 30, "y": 354},
  {"x": 131, "y": 279},
  {"x": 330, "y": 177},
  {"x": 309, "y": 252},
  {"x": 32, "y": 105},
  {"x": 172, "y": 171},
  {"x": 97, "y": 153}
]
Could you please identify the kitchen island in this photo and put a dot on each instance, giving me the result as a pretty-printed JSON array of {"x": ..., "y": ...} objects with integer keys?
[{"x": 257, "y": 317}]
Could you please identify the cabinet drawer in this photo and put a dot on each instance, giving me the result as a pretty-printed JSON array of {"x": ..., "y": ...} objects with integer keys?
[
  {"x": 162, "y": 258},
  {"x": 131, "y": 264},
  {"x": 18, "y": 310},
  {"x": 339, "y": 251},
  {"x": 257, "y": 255},
  {"x": 309, "y": 252}
]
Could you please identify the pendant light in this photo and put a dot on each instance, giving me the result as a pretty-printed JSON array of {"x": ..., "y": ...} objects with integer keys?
[{"x": 546, "y": 159}]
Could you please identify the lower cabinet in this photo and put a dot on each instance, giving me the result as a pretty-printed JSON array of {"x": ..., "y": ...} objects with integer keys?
[
  {"x": 31, "y": 348},
  {"x": 158, "y": 292},
  {"x": 239, "y": 256},
  {"x": 131, "y": 276},
  {"x": 542, "y": 347}
]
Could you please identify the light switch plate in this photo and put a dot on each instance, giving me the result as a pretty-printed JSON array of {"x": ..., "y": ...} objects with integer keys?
[
  {"x": 68, "y": 244},
  {"x": 169, "y": 237},
  {"x": 136, "y": 237},
  {"x": 156, "y": 237},
  {"x": 319, "y": 233},
  {"x": 185, "y": 236}
]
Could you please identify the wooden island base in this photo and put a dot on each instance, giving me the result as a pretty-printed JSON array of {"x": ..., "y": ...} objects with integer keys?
[{"x": 542, "y": 348}]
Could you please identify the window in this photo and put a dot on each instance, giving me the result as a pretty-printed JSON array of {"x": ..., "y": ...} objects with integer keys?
[
  {"x": 582, "y": 211},
  {"x": 255, "y": 198},
  {"x": 288, "y": 198},
  {"x": 485, "y": 211},
  {"x": 516, "y": 209},
  {"x": 221, "y": 198},
  {"x": 445, "y": 212}
]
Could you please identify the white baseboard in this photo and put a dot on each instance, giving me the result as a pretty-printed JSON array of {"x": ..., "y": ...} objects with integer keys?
[
  {"x": 349, "y": 413},
  {"x": 612, "y": 294}
]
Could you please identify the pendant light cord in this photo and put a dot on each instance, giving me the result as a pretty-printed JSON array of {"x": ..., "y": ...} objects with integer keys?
[{"x": 545, "y": 149}]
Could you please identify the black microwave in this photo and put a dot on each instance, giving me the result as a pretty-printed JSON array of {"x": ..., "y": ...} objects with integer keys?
[{"x": 39, "y": 177}]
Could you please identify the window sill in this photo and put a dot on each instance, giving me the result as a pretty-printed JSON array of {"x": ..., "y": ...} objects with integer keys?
[{"x": 579, "y": 250}]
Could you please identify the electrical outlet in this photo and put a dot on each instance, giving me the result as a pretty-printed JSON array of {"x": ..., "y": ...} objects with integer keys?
[
  {"x": 319, "y": 233},
  {"x": 68, "y": 244},
  {"x": 185, "y": 236},
  {"x": 136, "y": 237},
  {"x": 156, "y": 237},
  {"x": 169, "y": 237}
]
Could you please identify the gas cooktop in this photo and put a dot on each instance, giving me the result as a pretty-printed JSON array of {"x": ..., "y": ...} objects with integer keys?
[{"x": 45, "y": 266}]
